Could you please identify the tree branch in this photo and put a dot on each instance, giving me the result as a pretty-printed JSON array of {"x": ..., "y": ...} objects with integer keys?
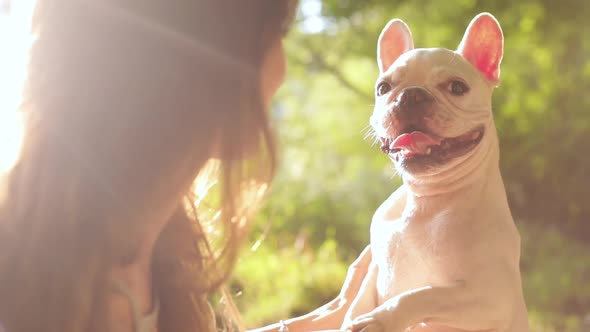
[{"x": 317, "y": 60}]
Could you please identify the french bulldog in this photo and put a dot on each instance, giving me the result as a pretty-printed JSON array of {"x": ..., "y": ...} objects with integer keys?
[{"x": 445, "y": 250}]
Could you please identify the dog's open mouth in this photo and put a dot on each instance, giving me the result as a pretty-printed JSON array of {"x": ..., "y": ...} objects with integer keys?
[{"x": 421, "y": 145}]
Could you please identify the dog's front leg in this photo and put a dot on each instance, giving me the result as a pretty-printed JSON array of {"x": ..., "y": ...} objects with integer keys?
[
  {"x": 458, "y": 306},
  {"x": 366, "y": 298}
]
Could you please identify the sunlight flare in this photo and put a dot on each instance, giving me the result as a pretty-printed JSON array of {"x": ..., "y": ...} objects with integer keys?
[{"x": 15, "y": 41}]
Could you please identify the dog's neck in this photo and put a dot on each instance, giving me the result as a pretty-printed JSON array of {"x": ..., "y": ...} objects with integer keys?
[{"x": 466, "y": 176}]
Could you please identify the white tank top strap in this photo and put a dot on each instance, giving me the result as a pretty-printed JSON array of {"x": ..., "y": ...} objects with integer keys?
[{"x": 142, "y": 323}]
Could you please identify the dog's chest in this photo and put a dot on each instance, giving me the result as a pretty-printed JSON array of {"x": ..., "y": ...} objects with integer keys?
[{"x": 412, "y": 254}]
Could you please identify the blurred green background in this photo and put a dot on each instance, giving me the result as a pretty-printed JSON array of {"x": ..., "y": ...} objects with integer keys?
[{"x": 316, "y": 218}]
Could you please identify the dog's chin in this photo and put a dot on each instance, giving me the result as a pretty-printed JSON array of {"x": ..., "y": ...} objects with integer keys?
[{"x": 437, "y": 156}]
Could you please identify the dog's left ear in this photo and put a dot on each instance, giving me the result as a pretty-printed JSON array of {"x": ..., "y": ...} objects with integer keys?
[{"x": 483, "y": 45}]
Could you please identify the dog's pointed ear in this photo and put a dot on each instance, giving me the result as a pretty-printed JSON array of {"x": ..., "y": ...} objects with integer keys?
[
  {"x": 483, "y": 45},
  {"x": 395, "y": 40}
]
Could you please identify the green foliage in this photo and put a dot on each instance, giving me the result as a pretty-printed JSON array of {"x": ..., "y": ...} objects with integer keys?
[
  {"x": 279, "y": 283},
  {"x": 332, "y": 180},
  {"x": 555, "y": 271}
]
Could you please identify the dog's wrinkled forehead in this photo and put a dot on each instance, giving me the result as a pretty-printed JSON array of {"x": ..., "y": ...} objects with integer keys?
[{"x": 428, "y": 64}]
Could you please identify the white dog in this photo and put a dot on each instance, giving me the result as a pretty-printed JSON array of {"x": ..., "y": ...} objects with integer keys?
[{"x": 445, "y": 248}]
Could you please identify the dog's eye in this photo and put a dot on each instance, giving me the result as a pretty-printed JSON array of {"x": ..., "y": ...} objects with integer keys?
[
  {"x": 383, "y": 88},
  {"x": 458, "y": 88}
]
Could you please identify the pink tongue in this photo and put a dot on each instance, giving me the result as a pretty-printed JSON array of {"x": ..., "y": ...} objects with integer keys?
[{"x": 416, "y": 142}]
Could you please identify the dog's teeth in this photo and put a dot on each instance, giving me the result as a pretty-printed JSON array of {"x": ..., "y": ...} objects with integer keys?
[
  {"x": 429, "y": 150},
  {"x": 475, "y": 135}
]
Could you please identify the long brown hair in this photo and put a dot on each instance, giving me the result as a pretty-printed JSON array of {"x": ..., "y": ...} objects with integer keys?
[{"x": 125, "y": 104}]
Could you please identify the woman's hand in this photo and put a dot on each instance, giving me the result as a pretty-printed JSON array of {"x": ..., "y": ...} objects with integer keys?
[{"x": 331, "y": 315}]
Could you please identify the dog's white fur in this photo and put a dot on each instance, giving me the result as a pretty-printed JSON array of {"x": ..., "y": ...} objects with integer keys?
[{"x": 445, "y": 248}]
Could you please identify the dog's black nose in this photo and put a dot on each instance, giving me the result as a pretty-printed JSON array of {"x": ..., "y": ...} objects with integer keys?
[{"x": 414, "y": 96}]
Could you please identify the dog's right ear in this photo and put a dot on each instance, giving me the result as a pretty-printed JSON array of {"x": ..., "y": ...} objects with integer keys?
[{"x": 395, "y": 40}]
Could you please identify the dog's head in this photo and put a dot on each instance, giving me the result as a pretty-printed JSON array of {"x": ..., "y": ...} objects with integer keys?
[{"x": 433, "y": 106}]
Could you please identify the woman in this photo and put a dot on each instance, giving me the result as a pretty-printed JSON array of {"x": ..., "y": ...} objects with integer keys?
[{"x": 125, "y": 104}]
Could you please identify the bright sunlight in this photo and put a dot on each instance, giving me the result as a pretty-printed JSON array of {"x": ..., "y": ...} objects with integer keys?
[{"x": 15, "y": 40}]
